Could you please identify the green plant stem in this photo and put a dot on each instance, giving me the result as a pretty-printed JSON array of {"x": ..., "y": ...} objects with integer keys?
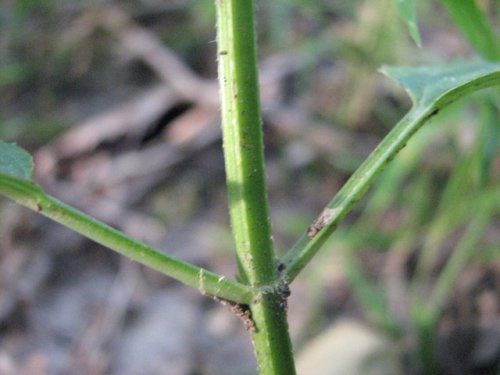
[
  {"x": 429, "y": 101},
  {"x": 32, "y": 196},
  {"x": 242, "y": 136},
  {"x": 244, "y": 159},
  {"x": 305, "y": 248}
]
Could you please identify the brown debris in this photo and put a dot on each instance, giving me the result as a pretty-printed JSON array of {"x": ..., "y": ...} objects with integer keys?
[
  {"x": 321, "y": 222},
  {"x": 242, "y": 311}
]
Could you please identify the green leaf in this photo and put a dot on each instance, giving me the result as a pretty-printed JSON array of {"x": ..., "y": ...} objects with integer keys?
[
  {"x": 15, "y": 161},
  {"x": 474, "y": 25},
  {"x": 406, "y": 9},
  {"x": 441, "y": 84}
]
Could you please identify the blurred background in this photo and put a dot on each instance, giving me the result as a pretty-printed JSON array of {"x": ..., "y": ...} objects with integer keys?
[{"x": 117, "y": 101}]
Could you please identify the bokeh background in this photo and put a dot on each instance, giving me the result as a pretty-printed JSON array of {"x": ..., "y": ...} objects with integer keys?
[{"x": 117, "y": 101}]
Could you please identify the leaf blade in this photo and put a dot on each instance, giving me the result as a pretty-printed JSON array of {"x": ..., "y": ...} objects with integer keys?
[
  {"x": 428, "y": 84},
  {"x": 15, "y": 161},
  {"x": 406, "y": 10}
]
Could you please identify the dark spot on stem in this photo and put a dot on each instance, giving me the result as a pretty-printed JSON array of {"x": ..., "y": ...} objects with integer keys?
[
  {"x": 322, "y": 221},
  {"x": 284, "y": 293},
  {"x": 281, "y": 267},
  {"x": 432, "y": 114},
  {"x": 242, "y": 311}
]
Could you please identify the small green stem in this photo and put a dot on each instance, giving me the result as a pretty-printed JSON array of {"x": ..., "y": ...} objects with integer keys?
[
  {"x": 32, "y": 196},
  {"x": 429, "y": 101},
  {"x": 306, "y": 247},
  {"x": 244, "y": 158}
]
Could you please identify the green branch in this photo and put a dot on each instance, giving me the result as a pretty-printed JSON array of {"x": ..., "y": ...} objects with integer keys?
[
  {"x": 32, "y": 196},
  {"x": 431, "y": 89}
]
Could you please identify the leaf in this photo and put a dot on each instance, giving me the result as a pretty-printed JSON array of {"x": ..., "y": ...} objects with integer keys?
[
  {"x": 15, "y": 161},
  {"x": 474, "y": 25},
  {"x": 440, "y": 84},
  {"x": 406, "y": 10}
]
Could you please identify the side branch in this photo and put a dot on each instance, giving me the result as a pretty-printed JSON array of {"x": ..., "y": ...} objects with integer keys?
[{"x": 33, "y": 197}]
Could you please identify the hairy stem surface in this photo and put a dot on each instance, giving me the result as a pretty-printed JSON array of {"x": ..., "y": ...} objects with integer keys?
[{"x": 244, "y": 159}]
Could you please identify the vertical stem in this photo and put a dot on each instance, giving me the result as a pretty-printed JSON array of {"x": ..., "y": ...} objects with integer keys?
[
  {"x": 244, "y": 159},
  {"x": 242, "y": 137}
]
